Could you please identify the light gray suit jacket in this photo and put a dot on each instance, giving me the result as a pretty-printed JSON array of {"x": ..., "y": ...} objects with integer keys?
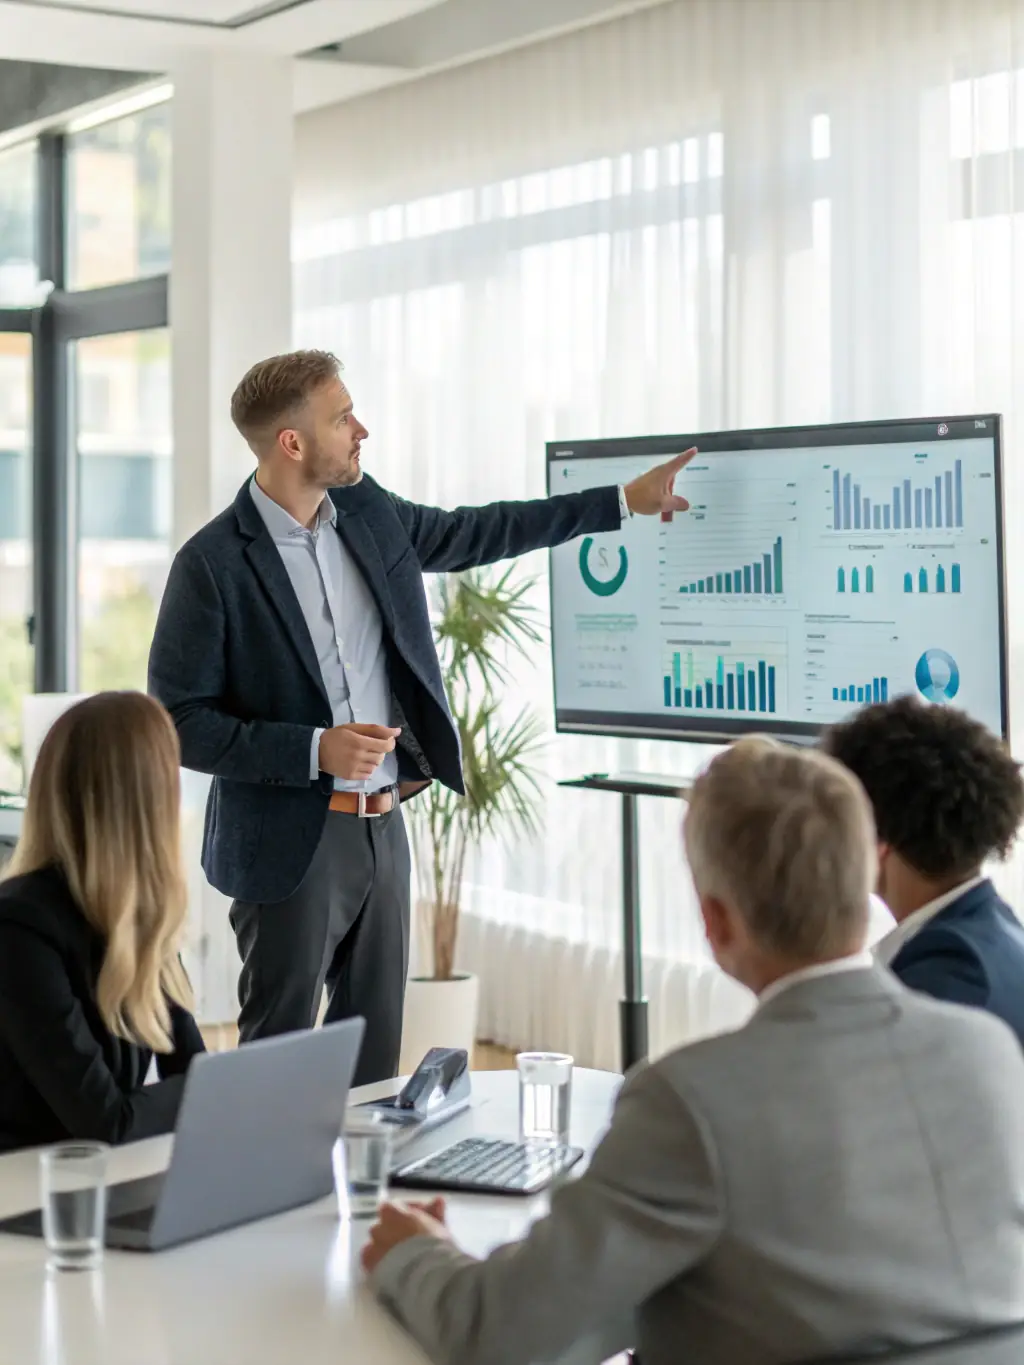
[{"x": 844, "y": 1172}]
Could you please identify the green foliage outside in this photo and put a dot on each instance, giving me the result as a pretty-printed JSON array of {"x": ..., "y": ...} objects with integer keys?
[
  {"x": 115, "y": 642},
  {"x": 15, "y": 681},
  {"x": 114, "y": 653}
]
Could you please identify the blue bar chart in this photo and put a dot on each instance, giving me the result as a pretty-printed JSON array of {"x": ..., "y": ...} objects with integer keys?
[
  {"x": 763, "y": 575},
  {"x": 858, "y": 579},
  {"x": 699, "y": 683},
  {"x": 931, "y": 503},
  {"x": 875, "y": 690},
  {"x": 939, "y": 581}
]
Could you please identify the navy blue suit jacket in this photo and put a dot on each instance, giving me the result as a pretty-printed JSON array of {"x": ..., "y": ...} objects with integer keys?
[
  {"x": 233, "y": 662},
  {"x": 971, "y": 953}
]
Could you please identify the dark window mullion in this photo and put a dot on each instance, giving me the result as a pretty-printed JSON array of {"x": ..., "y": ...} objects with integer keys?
[
  {"x": 52, "y": 216},
  {"x": 16, "y": 319},
  {"x": 53, "y": 510},
  {"x": 53, "y": 483},
  {"x": 135, "y": 306},
  {"x": 66, "y": 316}
]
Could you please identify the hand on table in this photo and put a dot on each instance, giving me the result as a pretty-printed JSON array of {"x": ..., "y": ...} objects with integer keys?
[
  {"x": 654, "y": 491},
  {"x": 355, "y": 751},
  {"x": 398, "y": 1223}
]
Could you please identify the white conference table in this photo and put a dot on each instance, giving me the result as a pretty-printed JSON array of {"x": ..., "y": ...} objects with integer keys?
[{"x": 284, "y": 1291}]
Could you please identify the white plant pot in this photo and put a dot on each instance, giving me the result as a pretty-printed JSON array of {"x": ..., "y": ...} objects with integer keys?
[{"x": 438, "y": 1014}]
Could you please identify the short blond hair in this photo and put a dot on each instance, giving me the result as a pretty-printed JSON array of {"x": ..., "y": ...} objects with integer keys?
[
  {"x": 274, "y": 390},
  {"x": 785, "y": 837}
]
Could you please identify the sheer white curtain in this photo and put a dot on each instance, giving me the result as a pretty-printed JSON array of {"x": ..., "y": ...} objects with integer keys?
[{"x": 712, "y": 214}]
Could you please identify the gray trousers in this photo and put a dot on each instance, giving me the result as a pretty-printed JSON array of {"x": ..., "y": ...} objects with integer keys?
[{"x": 345, "y": 927}]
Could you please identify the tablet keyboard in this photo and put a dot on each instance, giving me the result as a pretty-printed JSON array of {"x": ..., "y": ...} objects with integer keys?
[{"x": 489, "y": 1166}]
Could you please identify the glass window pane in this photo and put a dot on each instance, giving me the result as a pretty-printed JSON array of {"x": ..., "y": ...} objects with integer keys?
[
  {"x": 123, "y": 411},
  {"x": 15, "y": 550},
  {"x": 119, "y": 200},
  {"x": 18, "y": 200}
]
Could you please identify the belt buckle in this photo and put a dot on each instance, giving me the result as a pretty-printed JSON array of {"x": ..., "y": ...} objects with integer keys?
[{"x": 361, "y": 812}]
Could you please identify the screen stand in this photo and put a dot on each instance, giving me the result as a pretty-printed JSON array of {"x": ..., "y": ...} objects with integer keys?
[{"x": 633, "y": 1005}]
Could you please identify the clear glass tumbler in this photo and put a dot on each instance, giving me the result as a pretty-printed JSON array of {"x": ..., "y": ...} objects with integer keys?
[
  {"x": 545, "y": 1096},
  {"x": 73, "y": 1192},
  {"x": 366, "y": 1150}
]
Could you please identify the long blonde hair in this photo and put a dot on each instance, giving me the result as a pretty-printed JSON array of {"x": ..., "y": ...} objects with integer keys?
[{"x": 103, "y": 807}]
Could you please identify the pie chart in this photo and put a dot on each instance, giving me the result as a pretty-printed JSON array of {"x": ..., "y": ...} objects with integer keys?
[{"x": 937, "y": 676}]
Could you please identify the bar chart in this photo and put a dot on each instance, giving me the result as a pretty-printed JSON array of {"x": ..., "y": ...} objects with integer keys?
[
  {"x": 848, "y": 662},
  {"x": 875, "y": 690},
  {"x": 761, "y": 575},
  {"x": 696, "y": 680},
  {"x": 857, "y": 579},
  {"x": 922, "y": 581},
  {"x": 919, "y": 504}
]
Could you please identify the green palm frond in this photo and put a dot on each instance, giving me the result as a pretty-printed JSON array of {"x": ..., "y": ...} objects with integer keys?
[{"x": 481, "y": 623}]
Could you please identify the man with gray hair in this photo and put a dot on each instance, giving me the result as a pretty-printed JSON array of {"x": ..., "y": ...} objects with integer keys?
[{"x": 842, "y": 1174}]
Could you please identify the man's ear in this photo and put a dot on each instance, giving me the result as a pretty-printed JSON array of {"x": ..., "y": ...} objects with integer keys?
[
  {"x": 288, "y": 441},
  {"x": 884, "y": 852},
  {"x": 717, "y": 925}
]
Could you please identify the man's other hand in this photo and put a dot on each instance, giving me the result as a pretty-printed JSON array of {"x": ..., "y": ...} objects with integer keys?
[
  {"x": 398, "y": 1223},
  {"x": 654, "y": 491},
  {"x": 355, "y": 752}
]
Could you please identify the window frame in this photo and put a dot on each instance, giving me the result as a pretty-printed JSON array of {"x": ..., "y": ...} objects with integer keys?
[{"x": 66, "y": 316}]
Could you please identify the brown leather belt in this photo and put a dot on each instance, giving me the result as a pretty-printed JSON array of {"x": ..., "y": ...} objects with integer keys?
[{"x": 365, "y": 804}]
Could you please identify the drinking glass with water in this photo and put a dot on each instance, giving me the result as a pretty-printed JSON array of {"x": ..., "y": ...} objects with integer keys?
[
  {"x": 366, "y": 1154},
  {"x": 73, "y": 1181},
  {"x": 545, "y": 1096}
]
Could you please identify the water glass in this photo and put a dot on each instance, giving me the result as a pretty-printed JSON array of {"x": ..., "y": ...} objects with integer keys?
[
  {"x": 545, "y": 1096},
  {"x": 366, "y": 1145},
  {"x": 73, "y": 1189}
]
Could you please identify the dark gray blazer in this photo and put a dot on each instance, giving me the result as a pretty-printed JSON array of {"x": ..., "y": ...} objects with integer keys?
[{"x": 233, "y": 662}]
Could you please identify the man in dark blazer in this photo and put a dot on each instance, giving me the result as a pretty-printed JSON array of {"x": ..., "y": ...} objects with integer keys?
[
  {"x": 294, "y": 651},
  {"x": 947, "y": 798}
]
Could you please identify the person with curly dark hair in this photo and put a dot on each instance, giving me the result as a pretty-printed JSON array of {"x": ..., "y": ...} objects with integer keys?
[{"x": 947, "y": 797}]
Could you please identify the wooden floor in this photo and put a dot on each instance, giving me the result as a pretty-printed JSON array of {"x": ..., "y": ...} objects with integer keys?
[{"x": 486, "y": 1056}]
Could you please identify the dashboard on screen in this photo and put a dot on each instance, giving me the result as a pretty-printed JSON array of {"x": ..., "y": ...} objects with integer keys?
[{"x": 817, "y": 569}]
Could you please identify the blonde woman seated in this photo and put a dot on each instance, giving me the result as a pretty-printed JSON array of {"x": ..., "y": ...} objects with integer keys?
[{"x": 92, "y": 908}]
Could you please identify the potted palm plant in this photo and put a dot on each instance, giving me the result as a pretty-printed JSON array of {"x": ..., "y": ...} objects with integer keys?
[{"x": 481, "y": 624}]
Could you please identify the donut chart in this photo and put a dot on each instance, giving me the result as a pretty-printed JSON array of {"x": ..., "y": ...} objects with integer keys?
[
  {"x": 937, "y": 676},
  {"x": 602, "y": 586}
]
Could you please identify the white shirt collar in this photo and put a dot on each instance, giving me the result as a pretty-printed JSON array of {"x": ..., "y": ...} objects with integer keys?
[
  {"x": 856, "y": 962},
  {"x": 887, "y": 948},
  {"x": 282, "y": 524}
]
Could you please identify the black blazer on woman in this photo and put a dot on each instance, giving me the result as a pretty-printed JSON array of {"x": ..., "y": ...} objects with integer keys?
[{"x": 63, "y": 1074}]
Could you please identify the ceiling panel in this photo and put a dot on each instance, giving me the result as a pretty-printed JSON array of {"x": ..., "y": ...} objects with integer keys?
[{"x": 226, "y": 13}]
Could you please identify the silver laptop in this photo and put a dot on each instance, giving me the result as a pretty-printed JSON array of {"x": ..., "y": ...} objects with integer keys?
[{"x": 255, "y": 1136}]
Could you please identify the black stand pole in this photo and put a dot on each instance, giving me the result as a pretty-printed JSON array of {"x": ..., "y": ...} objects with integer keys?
[{"x": 633, "y": 1005}]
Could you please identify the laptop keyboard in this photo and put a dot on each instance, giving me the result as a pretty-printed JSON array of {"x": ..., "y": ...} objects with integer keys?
[{"x": 489, "y": 1166}]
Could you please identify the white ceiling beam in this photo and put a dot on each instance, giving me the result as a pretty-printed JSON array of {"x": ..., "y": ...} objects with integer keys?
[
  {"x": 321, "y": 22},
  {"x": 84, "y": 38},
  {"x": 318, "y": 83}
]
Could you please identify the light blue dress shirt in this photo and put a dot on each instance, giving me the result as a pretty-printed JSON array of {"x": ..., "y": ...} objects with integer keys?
[{"x": 344, "y": 624}]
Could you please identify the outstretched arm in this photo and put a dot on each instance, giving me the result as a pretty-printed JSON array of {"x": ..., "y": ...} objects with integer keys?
[{"x": 449, "y": 542}]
